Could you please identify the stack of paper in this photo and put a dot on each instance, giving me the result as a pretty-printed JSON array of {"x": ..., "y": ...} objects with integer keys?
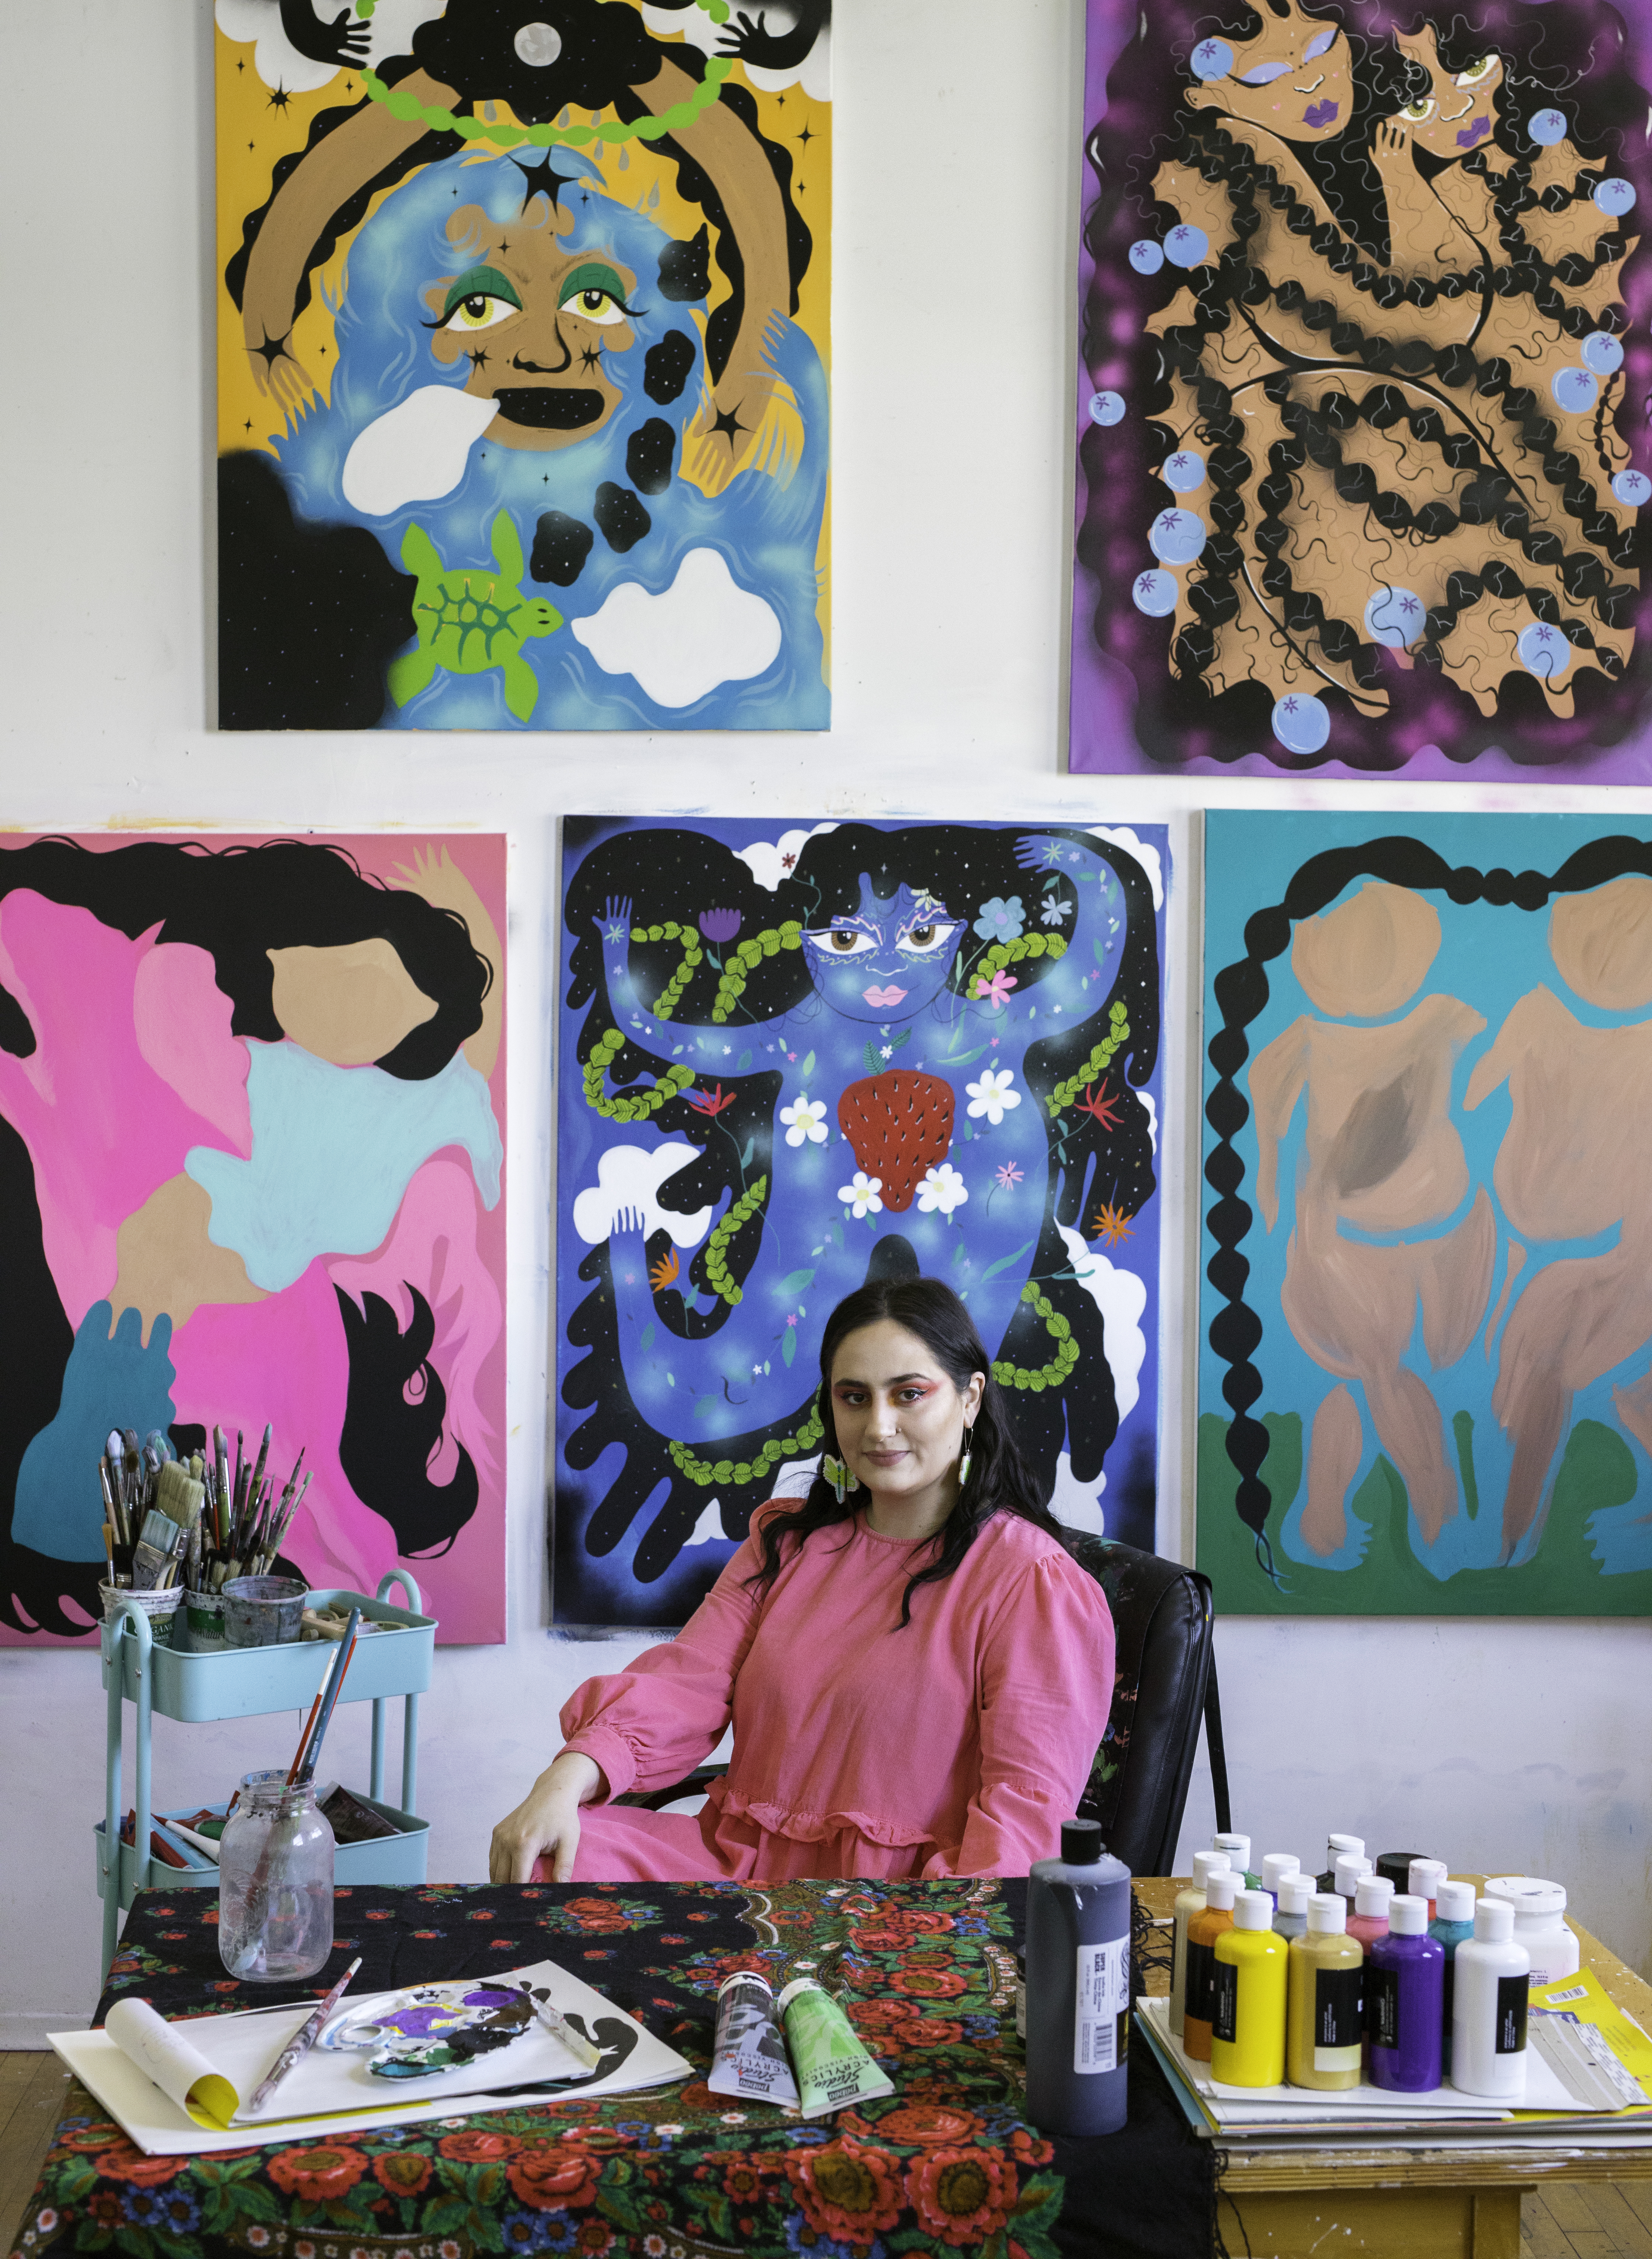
[{"x": 190, "y": 2092}]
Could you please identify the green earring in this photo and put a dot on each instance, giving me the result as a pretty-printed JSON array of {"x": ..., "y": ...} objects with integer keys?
[{"x": 838, "y": 1476}]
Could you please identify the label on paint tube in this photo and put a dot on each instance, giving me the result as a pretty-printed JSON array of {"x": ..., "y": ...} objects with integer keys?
[
  {"x": 1224, "y": 2021},
  {"x": 749, "y": 2057},
  {"x": 1382, "y": 2007},
  {"x": 1101, "y": 2014},
  {"x": 1201, "y": 1963},
  {"x": 833, "y": 2069},
  {"x": 1339, "y": 2015},
  {"x": 1511, "y": 2013}
]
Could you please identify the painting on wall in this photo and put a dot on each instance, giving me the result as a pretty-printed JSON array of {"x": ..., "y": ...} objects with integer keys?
[
  {"x": 796, "y": 1055},
  {"x": 1364, "y": 384},
  {"x": 251, "y": 1157},
  {"x": 522, "y": 335},
  {"x": 1426, "y": 1355}
]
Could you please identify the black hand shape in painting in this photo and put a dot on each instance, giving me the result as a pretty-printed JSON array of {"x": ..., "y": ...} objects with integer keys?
[
  {"x": 344, "y": 40},
  {"x": 753, "y": 42},
  {"x": 616, "y": 2035}
]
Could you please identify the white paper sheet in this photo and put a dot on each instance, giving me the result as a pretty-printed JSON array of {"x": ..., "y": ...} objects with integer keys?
[{"x": 334, "y": 2092}]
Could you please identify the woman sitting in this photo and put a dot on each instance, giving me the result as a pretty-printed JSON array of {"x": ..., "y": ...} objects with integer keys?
[{"x": 918, "y": 1672}]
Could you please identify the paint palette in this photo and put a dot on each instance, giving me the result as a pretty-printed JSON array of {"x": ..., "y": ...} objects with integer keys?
[{"x": 433, "y": 2029}]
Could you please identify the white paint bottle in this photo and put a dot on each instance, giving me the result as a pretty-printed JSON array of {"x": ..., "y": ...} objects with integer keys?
[
  {"x": 1488, "y": 2006},
  {"x": 1540, "y": 1924},
  {"x": 1188, "y": 1903}
]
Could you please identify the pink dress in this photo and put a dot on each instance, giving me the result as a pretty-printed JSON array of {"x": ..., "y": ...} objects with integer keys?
[{"x": 954, "y": 1747}]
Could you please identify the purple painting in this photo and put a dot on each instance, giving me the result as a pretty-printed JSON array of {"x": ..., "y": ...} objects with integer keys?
[{"x": 1364, "y": 386}]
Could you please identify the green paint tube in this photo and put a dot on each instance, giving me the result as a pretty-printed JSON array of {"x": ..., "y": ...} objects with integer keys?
[{"x": 833, "y": 2069}]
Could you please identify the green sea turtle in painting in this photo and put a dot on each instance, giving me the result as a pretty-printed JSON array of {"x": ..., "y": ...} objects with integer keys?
[{"x": 469, "y": 620}]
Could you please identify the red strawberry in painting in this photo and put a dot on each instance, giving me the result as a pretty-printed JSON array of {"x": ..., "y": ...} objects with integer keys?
[{"x": 900, "y": 1125}]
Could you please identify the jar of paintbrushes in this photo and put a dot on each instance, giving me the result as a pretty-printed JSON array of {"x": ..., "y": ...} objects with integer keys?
[
  {"x": 276, "y": 1856},
  {"x": 179, "y": 1531}
]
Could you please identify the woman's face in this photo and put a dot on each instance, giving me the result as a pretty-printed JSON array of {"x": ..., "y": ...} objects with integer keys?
[
  {"x": 899, "y": 1417},
  {"x": 1293, "y": 78},
  {"x": 1457, "y": 112},
  {"x": 536, "y": 322}
]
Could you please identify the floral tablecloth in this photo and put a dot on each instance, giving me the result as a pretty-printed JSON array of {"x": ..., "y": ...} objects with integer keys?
[{"x": 946, "y": 2164}]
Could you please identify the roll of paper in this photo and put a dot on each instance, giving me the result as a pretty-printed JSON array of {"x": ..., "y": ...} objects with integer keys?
[{"x": 180, "y": 2072}]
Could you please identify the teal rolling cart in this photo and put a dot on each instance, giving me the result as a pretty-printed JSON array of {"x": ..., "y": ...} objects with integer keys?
[{"x": 250, "y": 1682}]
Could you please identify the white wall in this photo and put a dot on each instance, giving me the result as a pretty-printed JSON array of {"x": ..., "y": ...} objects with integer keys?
[{"x": 1517, "y": 1745}]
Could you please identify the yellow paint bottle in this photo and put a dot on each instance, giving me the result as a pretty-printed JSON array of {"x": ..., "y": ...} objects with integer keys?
[
  {"x": 1325, "y": 2005},
  {"x": 1247, "y": 2027}
]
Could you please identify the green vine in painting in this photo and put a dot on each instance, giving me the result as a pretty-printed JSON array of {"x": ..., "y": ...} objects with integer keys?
[
  {"x": 693, "y": 957},
  {"x": 1011, "y": 952},
  {"x": 604, "y": 1051},
  {"x": 742, "y": 961},
  {"x": 402, "y": 103},
  {"x": 706, "y": 1471},
  {"x": 741, "y": 1213},
  {"x": 1096, "y": 1066},
  {"x": 1010, "y": 1375}
]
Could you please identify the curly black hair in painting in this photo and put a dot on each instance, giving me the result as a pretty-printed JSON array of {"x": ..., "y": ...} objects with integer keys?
[{"x": 1365, "y": 352}]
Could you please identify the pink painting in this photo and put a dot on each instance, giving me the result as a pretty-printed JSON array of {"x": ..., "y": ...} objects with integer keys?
[{"x": 251, "y": 1171}]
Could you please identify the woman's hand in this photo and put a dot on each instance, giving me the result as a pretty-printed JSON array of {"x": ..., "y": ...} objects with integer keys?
[{"x": 547, "y": 1822}]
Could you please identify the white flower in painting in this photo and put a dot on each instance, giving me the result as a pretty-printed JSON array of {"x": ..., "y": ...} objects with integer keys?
[
  {"x": 863, "y": 1196},
  {"x": 943, "y": 1188},
  {"x": 805, "y": 1119},
  {"x": 992, "y": 1096}
]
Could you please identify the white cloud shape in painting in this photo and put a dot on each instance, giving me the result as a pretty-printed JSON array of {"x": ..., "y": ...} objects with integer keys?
[
  {"x": 695, "y": 28},
  {"x": 1146, "y": 856},
  {"x": 630, "y": 1177},
  {"x": 709, "y": 1529},
  {"x": 1075, "y": 1506},
  {"x": 416, "y": 451},
  {"x": 770, "y": 863},
  {"x": 1146, "y": 1097},
  {"x": 279, "y": 63},
  {"x": 1121, "y": 1297},
  {"x": 704, "y": 630}
]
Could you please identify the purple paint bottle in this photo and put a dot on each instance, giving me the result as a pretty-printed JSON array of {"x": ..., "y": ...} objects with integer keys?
[{"x": 1404, "y": 1988}]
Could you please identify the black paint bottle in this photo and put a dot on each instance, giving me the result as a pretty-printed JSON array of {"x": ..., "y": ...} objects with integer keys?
[{"x": 1079, "y": 1987}]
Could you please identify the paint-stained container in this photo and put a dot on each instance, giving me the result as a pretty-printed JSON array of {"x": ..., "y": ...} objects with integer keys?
[{"x": 1079, "y": 1987}]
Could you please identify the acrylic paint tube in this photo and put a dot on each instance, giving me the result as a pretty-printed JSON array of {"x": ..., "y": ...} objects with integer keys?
[
  {"x": 1453, "y": 1922},
  {"x": 1276, "y": 1864},
  {"x": 1488, "y": 2008},
  {"x": 1188, "y": 1903},
  {"x": 1203, "y": 1930},
  {"x": 1368, "y": 1918},
  {"x": 1325, "y": 2000},
  {"x": 1423, "y": 1881},
  {"x": 1238, "y": 1850},
  {"x": 1405, "y": 1984},
  {"x": 833, "y": 2068},
  {"x": 1289, "y": 1918},
  {"x": 1336, "y": 1847},
  {"x": 1079, "y": 1987},
  {"x": 1247, "y": 2030},
  {"x": 749, "y": 2057}
]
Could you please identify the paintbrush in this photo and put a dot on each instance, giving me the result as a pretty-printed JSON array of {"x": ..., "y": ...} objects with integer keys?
[
  {"x": 301, "y": 2040},
  {"x": 221, "y": 1448},
  {"x": 263, "y": 1455},
  {"x": 557, "y": 2025},
  {"x": 346, "y": 1656}
]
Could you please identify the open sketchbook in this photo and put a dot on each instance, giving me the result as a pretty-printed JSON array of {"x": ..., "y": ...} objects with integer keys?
[{"x": 183, "y": 2088}]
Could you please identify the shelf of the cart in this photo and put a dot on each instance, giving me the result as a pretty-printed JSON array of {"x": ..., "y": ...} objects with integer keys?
[
  {"x": 402, "y": 1857},
  {"x": 244, "y": 1682}
]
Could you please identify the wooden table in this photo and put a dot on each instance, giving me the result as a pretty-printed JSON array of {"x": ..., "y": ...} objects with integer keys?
[{"x": 1429, "y": 2202}]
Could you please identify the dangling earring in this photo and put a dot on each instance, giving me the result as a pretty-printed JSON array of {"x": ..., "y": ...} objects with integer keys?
[
  {"x": 839, "y": 1476},
  {"x": 967, "y": 1460}
]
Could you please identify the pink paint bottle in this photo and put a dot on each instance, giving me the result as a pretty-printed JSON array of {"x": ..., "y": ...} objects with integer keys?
[{"x": 1369, "y": 1920}]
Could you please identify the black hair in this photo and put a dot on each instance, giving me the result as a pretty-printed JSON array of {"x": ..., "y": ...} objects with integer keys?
[{"x": 1001, "y": 1481}]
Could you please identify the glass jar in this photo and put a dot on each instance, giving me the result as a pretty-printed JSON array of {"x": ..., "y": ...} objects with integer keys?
[{"x": 276, "y": 1866}]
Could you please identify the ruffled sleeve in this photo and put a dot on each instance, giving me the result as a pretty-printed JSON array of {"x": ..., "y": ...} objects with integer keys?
[
  {"x": 650, "y": 1724},
  {"x": 1045, "y": 1686}
]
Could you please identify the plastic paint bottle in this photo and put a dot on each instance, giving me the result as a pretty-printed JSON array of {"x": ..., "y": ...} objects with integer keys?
[
  {"x": 1405, "y": 1985},
  {"x": 1247, "y": 2043},
  {"x": 1453, "y": 1921},
  {"x": 1540, "y": 1924},
  {"x": 1424, "y": 1880},
  {"x": 1351, "y": 1866},
  {"x": 1079, "y": 1987},
  {"x": 1289, "y": 1918},
  {"x": 1369, "y": 1920},
  {"x": 1276, "y": 1864},
  {"x": 1238, "y": 1850},
  {"x": 1203, "y": 1929},
  {"x": 1334, "y": 1848},
  {"x": 1488, "y": 2008},
  {"x": 1188, "y": 1903},
  {"x": 1325, "y": 2000},
  {"x": 1396, "y": 1865}
]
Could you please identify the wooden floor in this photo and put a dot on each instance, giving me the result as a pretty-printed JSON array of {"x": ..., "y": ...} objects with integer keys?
[{"x": 1581, "y": 2220}]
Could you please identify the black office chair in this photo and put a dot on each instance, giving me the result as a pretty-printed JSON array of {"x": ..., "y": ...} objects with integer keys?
[{"x": 1163, "y": 1684}]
